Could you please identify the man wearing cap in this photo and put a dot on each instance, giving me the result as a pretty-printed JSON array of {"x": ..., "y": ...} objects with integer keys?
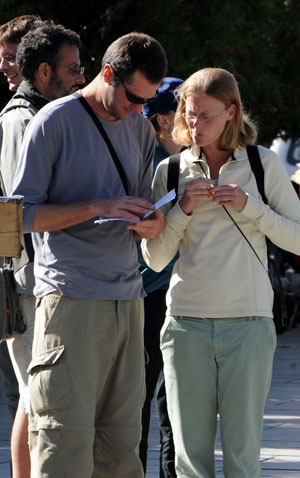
[{"x": 161, "y": 113}]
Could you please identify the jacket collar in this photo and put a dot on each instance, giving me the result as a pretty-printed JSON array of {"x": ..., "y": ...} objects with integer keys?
[
  {"x": 238, "y": 154},
  {"x": 28, "y": 92}
]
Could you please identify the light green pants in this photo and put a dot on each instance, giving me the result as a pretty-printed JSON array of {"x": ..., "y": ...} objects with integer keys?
[
  {"x": 217, "y": 366},
  {"x": 86, "y": 388}
]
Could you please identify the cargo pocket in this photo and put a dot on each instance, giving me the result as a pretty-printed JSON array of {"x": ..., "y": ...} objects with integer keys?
[{"x": 51, "y": 385}]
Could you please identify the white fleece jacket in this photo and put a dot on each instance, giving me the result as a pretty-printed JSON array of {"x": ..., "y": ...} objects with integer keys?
[{"x": 217, "y": 273}]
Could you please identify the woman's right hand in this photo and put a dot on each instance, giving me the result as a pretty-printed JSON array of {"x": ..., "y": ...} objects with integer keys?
[{"x": 195, "y": 190}]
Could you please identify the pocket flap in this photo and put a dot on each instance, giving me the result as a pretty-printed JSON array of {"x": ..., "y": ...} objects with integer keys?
[{"x": 49, "y": 357}]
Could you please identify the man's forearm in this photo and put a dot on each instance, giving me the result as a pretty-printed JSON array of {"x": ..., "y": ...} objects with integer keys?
[{"x": 54, "y": 217}]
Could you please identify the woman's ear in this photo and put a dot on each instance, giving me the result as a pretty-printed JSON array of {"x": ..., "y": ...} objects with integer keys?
[
  {"x": 231, "y": 112},
  {"x": 166, "y": 120},
  {"x": 163, "y": 121}
]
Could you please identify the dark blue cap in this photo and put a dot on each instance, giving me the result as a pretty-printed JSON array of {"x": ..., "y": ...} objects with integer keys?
[{"x": 165, "y": 99}]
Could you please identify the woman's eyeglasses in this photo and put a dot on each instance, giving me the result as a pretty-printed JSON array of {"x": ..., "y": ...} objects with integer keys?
[{"x": 192, "y": 118}]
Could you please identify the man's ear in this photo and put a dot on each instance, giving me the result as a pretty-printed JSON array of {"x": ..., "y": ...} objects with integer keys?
[
  {"x": 44, "y": 72},
  {"x": 108, "y": 73}
]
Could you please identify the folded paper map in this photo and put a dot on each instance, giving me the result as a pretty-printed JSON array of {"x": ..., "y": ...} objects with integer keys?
[{"x": 164, "y": 200}]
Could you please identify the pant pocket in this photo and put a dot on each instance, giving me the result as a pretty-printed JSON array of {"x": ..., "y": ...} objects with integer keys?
[
  {"x": 165, "y": 337},
  {"x": 270, "y": 332},
  {"x": 50, "y": 383}
]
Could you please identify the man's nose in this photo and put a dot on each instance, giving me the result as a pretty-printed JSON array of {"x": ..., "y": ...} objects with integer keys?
[{"x": 80, "y": 79}]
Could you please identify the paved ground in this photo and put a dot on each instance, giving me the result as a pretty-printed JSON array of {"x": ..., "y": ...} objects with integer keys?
[
  {"x": 5, "y": 429},
  {"x": 280, "y": 454}
]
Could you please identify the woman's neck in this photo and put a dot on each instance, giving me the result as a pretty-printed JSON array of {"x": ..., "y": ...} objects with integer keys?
[{"x": 215, "y": 159}]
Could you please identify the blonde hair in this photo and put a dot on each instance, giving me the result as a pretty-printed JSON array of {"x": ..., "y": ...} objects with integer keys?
[{"x": 221, "y": 85}]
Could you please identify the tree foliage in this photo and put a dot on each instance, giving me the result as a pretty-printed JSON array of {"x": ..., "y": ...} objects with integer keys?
[{"x": 257, "y": 40}]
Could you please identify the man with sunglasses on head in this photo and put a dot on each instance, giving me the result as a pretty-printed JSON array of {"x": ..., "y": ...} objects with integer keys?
[
  {"x": 87, "y": 372},
  {"x": 47, "y": 59}
]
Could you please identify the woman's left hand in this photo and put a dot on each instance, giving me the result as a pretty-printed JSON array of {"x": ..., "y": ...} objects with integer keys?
[{"x": 229, "y": 195}]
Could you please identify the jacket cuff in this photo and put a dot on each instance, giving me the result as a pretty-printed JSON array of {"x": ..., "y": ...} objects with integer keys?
[
  {"x": 177, "y": 219},
  {"x": 253, "y": 207}
]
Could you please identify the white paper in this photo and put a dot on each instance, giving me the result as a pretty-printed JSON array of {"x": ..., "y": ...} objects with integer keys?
[{"x": 161, "y": 202}]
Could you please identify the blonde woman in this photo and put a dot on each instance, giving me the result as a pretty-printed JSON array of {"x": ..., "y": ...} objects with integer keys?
[{"x": 218, "y": 339}]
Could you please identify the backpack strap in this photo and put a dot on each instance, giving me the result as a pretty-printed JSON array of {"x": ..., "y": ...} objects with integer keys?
[
  {"x": 173, "y": 175},
  {"x": 14, "y": 107},
  {"x": 257, "y": 169},
  {"x": 254, "y": 160},
  {"x": 280, "y": 313}
]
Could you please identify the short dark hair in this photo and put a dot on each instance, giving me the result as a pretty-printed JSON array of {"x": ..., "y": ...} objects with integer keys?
[
  {"x": 137, "y": 51},
  {"x": 43, "y": 44},
  {"x": 15, "y": 29}
]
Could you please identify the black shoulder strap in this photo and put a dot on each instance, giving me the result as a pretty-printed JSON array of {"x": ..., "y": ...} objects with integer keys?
[
  {"x": 255, "y": 163},
  {"x": 173, "y": 175},
  {"x": 257, "y": 169},
  {"x": 107, "y": 140},
  {"x": 14, "y": 107}
]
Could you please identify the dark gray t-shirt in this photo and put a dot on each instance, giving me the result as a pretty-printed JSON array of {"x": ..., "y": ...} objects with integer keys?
[{"x": 64, "y": 160}]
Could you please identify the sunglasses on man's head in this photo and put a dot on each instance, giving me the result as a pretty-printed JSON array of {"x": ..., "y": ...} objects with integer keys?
[{"x": 136, "y": 100}]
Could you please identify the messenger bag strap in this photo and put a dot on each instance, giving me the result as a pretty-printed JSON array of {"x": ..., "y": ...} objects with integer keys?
[{"x": 107, "y": 140}]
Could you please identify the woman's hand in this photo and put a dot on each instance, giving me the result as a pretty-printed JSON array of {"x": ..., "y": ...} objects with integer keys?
[
  {"x": 229, "y": 195},
  {"x": 194, "y": 191}
]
